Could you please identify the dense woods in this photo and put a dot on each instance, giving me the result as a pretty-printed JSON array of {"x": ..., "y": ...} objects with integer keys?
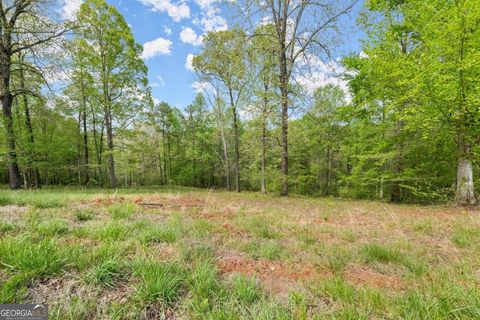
[{"x": 406, "y": 128}]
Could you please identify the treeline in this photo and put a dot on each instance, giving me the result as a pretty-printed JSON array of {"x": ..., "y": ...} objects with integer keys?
[{"x": 407, "y": 128}]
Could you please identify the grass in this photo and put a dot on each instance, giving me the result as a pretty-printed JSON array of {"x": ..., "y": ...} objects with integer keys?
[
  {"x": 246, "y": 289},
  {"x": 159, "y": 282},
  {"x": 95, "y": 254},
  {"x": 122, "y": 210},
  {"x": 106, "y": 273},
  {"x": 26, "y": 261},
  {"x": 266, "y": 249},
  {"x": 168, "y": 233},
  {"x": 84, "y": 214}
]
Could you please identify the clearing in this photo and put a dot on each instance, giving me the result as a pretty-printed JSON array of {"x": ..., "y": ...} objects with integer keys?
[{"x": 163, "y": 253}]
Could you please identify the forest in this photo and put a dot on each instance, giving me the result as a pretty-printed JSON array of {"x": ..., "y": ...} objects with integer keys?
[
  {"x": 405, "y": 128},
  {"x": 263, "y": 160}
]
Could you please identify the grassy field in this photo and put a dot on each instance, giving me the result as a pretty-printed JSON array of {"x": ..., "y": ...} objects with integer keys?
[{"x": 193, "y": 254}]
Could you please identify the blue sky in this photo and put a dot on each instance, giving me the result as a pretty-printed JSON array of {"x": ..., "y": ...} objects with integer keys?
[{"x": 171, "y": 32}]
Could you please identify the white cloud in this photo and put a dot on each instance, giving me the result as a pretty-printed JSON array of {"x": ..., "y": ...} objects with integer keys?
[
  {"x": 167, "y": 30},
  {"x": 176, "y": 11},
  {"x": 205, "y": 4},
  {"x": 188, "y": 62},
  {"x": 213, "y": 23},
  {"x": 158, "y": 84},
  {"x": 320, "y": 74},
  {"x": 159, "y": 46},
  {"x": 188, "y": 35},
  {"x": 156, "y": 101},
  {"x": 70, "y": 9}
]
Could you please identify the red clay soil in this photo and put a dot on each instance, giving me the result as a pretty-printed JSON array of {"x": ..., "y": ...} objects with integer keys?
[
  {"x": 265, "y": 268},
  {"x": 362, "y": 275}
]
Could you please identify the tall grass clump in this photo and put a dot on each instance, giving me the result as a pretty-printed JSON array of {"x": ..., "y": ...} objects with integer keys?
[
  {"x": 122, "y": 210},
  {"x": 159, "y": 282}
]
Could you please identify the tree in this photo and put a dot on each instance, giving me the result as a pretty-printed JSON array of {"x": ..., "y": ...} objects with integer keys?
[
  {"x": 303, "y": 29},
  {"x": 114, "y": 58},
  {"x": 223, "y": 60},
  {"x": 23, "y": 28},
  {"x": 263, "y": 83}
]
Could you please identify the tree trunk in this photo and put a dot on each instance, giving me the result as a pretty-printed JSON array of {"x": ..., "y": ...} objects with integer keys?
[
  {"x": 236, "y": 143},
  {"x": 264, "y": 142},
  {"x": 465, "y": 188},
  {"x": 164, "y": 157},
  {"x": 111, "y": 161},
  {"x": 284, "y": 103},
  {"x": 7, "y": 102},
  {"x": 85, "y": 142},
  {"x": 225, "y": 155}
]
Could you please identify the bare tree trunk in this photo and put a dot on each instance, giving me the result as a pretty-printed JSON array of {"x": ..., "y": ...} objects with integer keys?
[
  {"x": 164, "y": 157},
  {"x": 284, "y": 102},
  {"x": 85, "y": 142},
  {"x": 465, "y": 188},
  {"x": 7, "y": 102},
  {"x": 264, "y": 142},
  {"x": 111, "y": 162},
  {"x": 236, "y": 142},
  {"x": 98, "y": 147},
  {"x": 284, "y": 91}
]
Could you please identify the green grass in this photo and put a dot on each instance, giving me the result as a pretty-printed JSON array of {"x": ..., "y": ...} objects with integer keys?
[
  {"x": 246, "y": 289},
  {"x": 266, "y": 249},
  {"x": 184, "y": 262},
  {"x": 260, "y": 227},
  {"x": 5, "y": 199},
  {"x": 26, "y": 261},
  {"x": 159, "y": 282},
  {"x": 107, "y": 273},
  {"x": 6, "y": 227},
  {"x": 122, "y": 210},
  {"x": 466, "y": 236},
  {"x": 84, "y": 214},
  {"x": 169, "y": 233},
  {"x": 51, "y": 228},
  {"x": 377, "y": 252}
]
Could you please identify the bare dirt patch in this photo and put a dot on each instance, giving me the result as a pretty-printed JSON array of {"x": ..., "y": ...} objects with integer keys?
[
  {"x": 362, "y": 275},
  {"x": 277, "y": 277}
]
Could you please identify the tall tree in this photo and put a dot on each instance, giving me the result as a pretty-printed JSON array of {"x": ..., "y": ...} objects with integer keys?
[
  {"x": 223, "y": 60},
  {"x": 303, "y": 29},
  {"x": 23, "y": 28},
  {"x": 114, "y": 57}
]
